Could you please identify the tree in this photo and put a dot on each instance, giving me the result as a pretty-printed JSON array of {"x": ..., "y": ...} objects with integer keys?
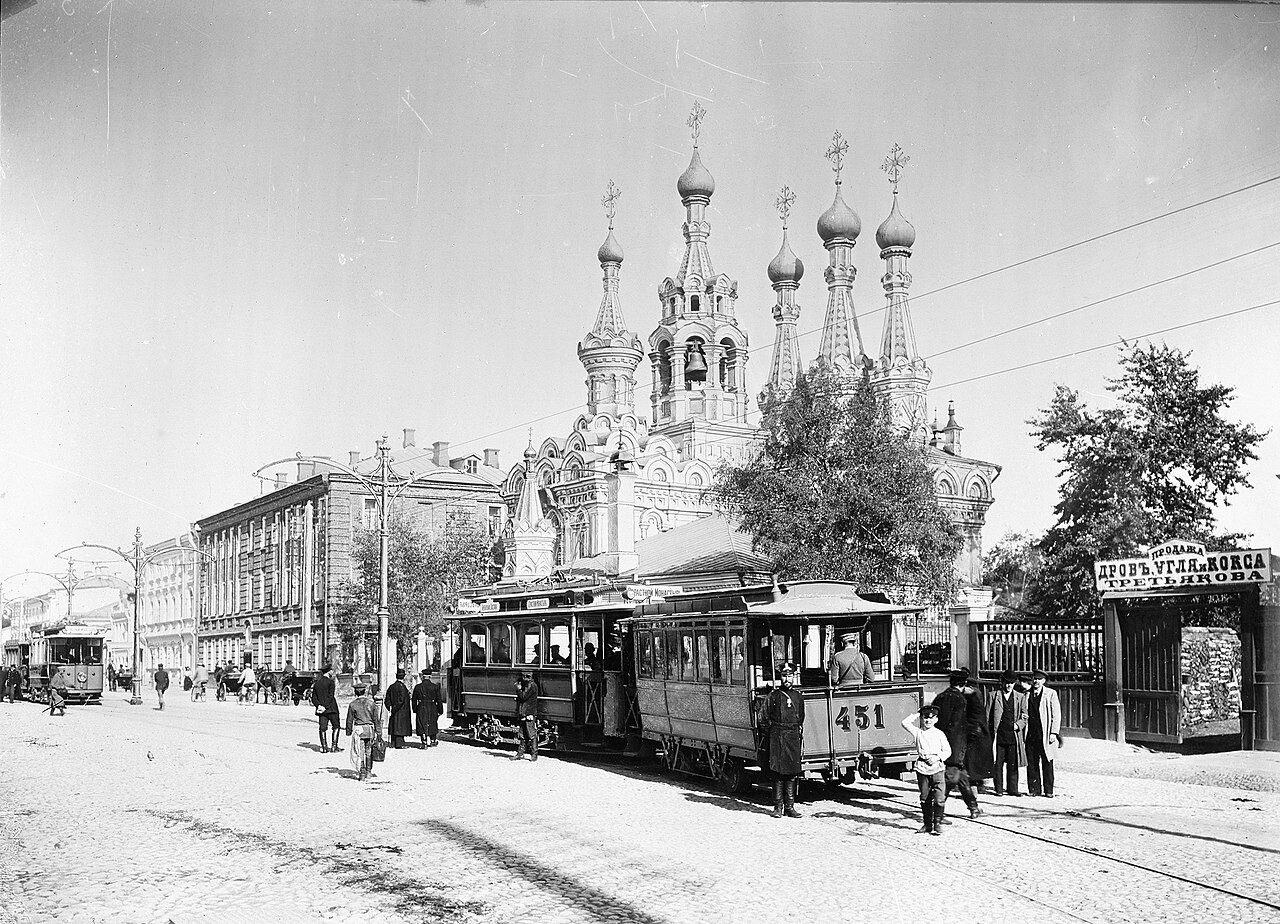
[
  {"x": 1153, "y": 467},
  {"x": 1012, "y": 566},
  {"x": 837, "y": 492},
  {"x": 425, "y": 571}
]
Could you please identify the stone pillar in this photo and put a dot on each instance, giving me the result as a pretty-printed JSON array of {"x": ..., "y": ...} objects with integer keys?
[{"x": 974, "y": 607}]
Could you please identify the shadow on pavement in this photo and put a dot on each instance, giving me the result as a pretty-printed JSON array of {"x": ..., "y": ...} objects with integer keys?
[
  {"x": 572, "y": 892},
  {"x": 309, "y": 746},
  {"x": 729, "y": 803}
]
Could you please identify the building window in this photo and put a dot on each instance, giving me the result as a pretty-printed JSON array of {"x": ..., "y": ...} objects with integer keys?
[
  {"x": 473, "y": 466},
  {"x": 495, "y": 518},
  {"x": 369, "y": 513}
]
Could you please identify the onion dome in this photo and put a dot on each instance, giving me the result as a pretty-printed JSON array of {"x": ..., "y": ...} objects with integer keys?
[
  {"x": 696, "y": 180},
  {"x": 610, "y": 251},
  {"x": 839, "y": 221},
  {"x": 786, "y": 266},
  {"x": 896, "y": 231}
]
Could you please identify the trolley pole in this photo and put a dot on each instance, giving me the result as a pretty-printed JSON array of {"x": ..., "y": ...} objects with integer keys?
[{"x": 136, "y": 698}]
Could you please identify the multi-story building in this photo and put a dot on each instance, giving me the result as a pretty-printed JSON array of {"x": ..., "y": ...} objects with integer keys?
[
  {"x": 167, "y": 607},
  {"x": 274, "y": 567}
]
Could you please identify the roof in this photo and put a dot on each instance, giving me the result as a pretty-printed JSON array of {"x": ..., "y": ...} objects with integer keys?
[{"x": 710, "y": 544}]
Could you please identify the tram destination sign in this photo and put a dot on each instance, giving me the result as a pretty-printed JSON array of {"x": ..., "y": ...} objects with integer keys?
[{"x": 1181, "y": 563}]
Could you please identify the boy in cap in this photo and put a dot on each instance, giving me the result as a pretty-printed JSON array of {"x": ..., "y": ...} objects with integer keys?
[
  {"x": 1007, "y": 719},
  {"x": 784, "y": 716},
  {"x": 850, "y": 667},
  {"x": 932, "y": 751},
  {"x": 526, "y": 716}
]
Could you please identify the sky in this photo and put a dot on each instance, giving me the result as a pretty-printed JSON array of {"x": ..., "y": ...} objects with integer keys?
[{"x": 232, "y": 231}]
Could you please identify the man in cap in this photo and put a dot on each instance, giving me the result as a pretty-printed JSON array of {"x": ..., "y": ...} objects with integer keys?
[
  {"x": 850, "y": 667},
  {"x": 1007, "y": 717},
  {"x": 1044, "y": 727},
  {"x": 953, "y": 711},
  {"x": 784, "y": 718},
  {"x": 325, "y": 700},
  {"x": 400, "y": 719},
  {"x": 526, "y": 716}
]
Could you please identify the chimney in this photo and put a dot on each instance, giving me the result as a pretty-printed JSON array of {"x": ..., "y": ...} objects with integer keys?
[
  {"x": 282, "y": 479},
  {"x": 441, "y": 450},
  {"x": 408, "y": 438},
  {"x": 353, "y": 458},
  {"x": 491, "y": 458},
  {"x": 306, "y": 470}
]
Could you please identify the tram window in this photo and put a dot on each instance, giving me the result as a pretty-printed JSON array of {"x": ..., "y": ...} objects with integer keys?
[
  {"x": 703, "y": 661},
  {"x": 558, "y": 644},
  {"x": 644, "y": 665},
  {"x": 737, "y": 656},
  {"x": 659, "y": 654},
  {"x": 783, "y": 650},
  {"x": 686, "y": 655},
  {"x": 477, "y": 640},
  {"x": 589, "y": 655},
  {"x": 719, "y": 656},
  {"x": 529, "y": 649},
  {"x": 500, "y": 649},
  {"x": 613, "y": 649},
  {"x": 673, "y": 654}
]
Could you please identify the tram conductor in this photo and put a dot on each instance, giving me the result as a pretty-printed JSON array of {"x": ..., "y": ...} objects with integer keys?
[
  {"x": 850, "y": 666},
  {"x": 526, "y": 716},
  {"x": 784, "y": 716}
]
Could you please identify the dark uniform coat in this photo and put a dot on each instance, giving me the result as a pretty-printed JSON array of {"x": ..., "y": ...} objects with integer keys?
[
  {"x": 527, "y": 700},
  {"x": 980, "y": 758},
  {"x": 427, "y": 707},
  {"x": 399, "y": 721},
  {"x": 1018, "y": 718},
  {"x": 784, "y": 713},
  {"x": 324, "y": 693},
  {"x": 953, "y": 713}
]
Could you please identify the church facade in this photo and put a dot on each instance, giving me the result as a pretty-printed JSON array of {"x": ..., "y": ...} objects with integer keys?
[{"x": 698, "y": 404}]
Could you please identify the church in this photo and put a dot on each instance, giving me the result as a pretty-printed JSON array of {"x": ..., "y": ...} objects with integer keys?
[{"x": 568, "y": 506}]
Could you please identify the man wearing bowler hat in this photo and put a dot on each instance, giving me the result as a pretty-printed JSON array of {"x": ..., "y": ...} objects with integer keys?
[
  {"x": 526, "y": 716},
  {"x": 784, "y": 716},
  {"x": 850, "y": 667},
  {"x": 1044, "y": 726},
  {"x": 1007, "y": 719},
  {"x": 953, "y": 711}
]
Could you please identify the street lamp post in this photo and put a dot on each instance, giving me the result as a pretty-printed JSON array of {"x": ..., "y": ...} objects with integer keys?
[{"x": 381, "y": 490}]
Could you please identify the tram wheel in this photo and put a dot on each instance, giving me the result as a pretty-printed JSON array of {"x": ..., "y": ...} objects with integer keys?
[{"x": 734, "y": 777}]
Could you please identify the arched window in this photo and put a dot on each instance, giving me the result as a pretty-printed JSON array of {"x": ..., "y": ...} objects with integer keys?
[
  {"x": 664, "y": 367},
  {"x": 693, "y": 303},
  {"x": 500, "y": 647},
  {"x": 728, "y": 365}
]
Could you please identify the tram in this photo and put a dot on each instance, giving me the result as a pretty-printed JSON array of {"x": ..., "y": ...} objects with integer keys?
[
  {"x": 76, "y": 650},
  {"x": 684, "y": 673}
]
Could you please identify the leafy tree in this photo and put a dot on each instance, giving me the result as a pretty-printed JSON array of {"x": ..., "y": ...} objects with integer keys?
[
  {"x": 425, "y": 570},
  {"x": 1011, "y": 566},
  {"x": 1153, "y": 467},
  {"x": 837, "y": 492}
]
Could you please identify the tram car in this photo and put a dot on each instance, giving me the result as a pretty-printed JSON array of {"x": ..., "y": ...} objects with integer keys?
[
  {"x": 684, "y": 673},
  {"x": 76, "y": 650}
]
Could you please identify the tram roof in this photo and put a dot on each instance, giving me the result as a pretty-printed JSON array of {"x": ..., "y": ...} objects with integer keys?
[{"x": 807, "y": 599}]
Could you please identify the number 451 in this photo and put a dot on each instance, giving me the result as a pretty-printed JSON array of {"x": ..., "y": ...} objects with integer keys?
[{"x": 861, "y": 717}]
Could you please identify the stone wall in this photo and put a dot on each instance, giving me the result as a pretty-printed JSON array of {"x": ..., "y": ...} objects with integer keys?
[{"x": 1210, "y": 676}]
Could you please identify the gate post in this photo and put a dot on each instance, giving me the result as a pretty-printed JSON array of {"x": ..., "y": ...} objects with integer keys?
[{"x": 1113, "y": 678}]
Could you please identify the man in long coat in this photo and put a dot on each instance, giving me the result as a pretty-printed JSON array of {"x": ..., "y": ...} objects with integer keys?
[
  {"x": 1007, "y": 719},
  {"x": 784, "y": 716},
  {"x": 1044, "y": 727},
  {"x": 953, "y": 721},
  {"x": 325, "y": 700},
  {"x": 977, "y": 759},
  {"x": 427, "y": 707},
  {"x": 399, "y": 720}
]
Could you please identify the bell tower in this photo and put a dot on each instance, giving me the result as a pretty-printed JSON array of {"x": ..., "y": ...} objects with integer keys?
[{"x": 698, "y": 351}]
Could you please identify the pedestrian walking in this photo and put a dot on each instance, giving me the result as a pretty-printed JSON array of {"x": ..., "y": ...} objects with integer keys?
[
  {"x": 324, "y": 698},
  {"x": 526, "y": 716},
  {"x": 850, "y": 667},
  {"x": 58, "y": 694},
  {"x": 428, "y": 706},
  {"x": 1044, "y": 727},
  {"x": 11, "y": 677},
  {"x": 1007, "y": 718},
  {"x": 161, "y": 679},
  {"x": 953, "y": 710},
  {"x": 364, "y": 723},
  {"x": 978, "y": 753},
  {"x": 111, "y": 677},
  {"x": 400, "y": 717},
  {"x": 784, "y": 718},
  {"x": 932, "y": 751}
]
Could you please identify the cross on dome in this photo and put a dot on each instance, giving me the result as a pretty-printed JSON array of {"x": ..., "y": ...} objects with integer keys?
[
  {"x": 696, "y": 115},
  {"x": 786, "y": 199},
  {"x": 835, "y": 154},
  {"x": 608, "y": 201},
  {"x": 894, "y": 164}
]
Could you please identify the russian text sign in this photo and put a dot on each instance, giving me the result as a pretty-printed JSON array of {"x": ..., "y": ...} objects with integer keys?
[{"x": 1183, "y": 564}]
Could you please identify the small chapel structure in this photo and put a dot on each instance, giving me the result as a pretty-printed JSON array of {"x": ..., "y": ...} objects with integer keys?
[{"x": 647, "y": 467}]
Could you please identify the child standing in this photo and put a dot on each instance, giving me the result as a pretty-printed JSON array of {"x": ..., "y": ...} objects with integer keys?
[{"x": 932, "y": 751}]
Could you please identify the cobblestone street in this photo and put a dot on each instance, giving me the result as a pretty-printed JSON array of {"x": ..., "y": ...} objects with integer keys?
[{"x": 217, "y": 811}]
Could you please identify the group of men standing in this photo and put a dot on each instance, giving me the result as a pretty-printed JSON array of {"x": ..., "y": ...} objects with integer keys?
[
  {"x": 423, "y": 708},
  {"x": 10, "y": 681}
]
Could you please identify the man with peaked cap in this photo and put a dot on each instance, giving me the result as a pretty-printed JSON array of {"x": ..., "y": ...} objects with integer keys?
[
  {"x": 526, "y": 716},
  {"x": 1044, "y": 727},
  {"x": 400, "y": 719},
  {"x": 428, "y": 705},
  {"x": 325, "y": 700},
  {"x": 850, "y": 667},
  {"x": 953, "y": 713},
  {"x": 1007, "y": 719},
  {"x": 784, "y": 718}
]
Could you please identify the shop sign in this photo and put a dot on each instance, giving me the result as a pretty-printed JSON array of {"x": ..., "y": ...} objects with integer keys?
[
  {"x": 1181, "y": 563},
  {"x": 538, "y": 603},
  {"x": 490, "y": 606}
]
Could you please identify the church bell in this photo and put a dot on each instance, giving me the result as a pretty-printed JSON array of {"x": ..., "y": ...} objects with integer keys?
[{"x": 695, "y": 365}]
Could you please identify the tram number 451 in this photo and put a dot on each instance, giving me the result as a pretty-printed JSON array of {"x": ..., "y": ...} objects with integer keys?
[{"x": 862, "y": 716}]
